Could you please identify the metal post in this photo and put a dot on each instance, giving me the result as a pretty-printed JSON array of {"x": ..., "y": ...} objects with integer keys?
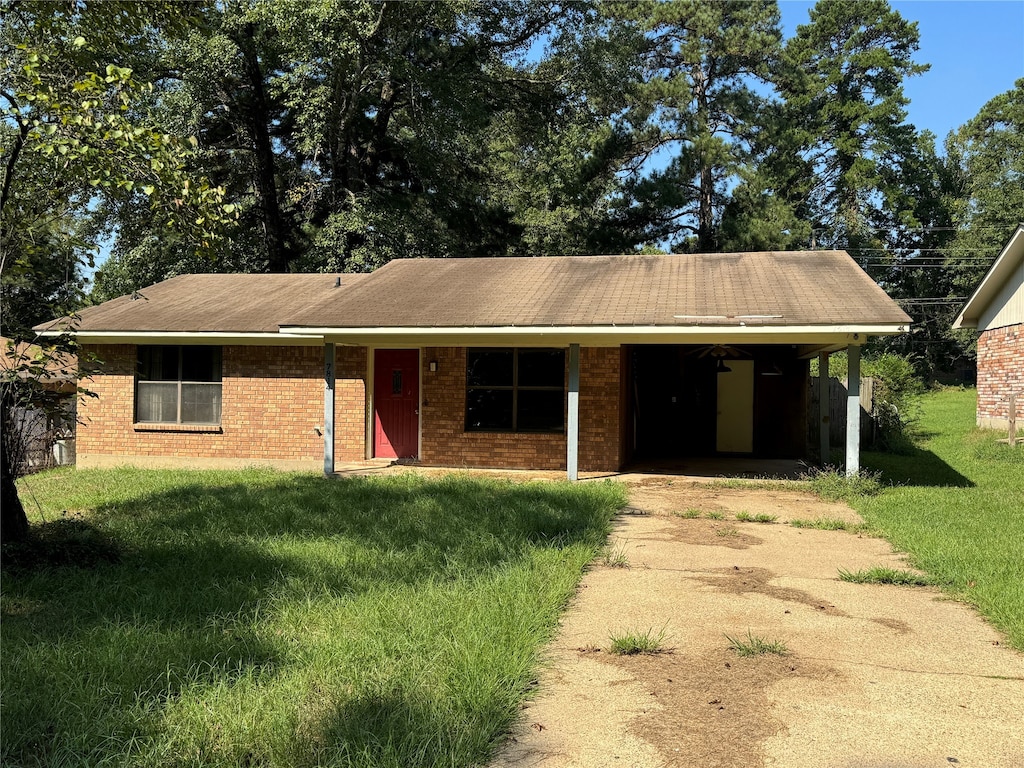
[
  {"x": 853, "y": 411},
  {"x": 572, "y": 436},
  {"x": 824, "y": 403},
  {"x": 328, "y": 409}
]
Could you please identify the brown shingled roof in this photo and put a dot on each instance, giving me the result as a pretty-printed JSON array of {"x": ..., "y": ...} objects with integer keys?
[
  {"x": 784, "y": 288},
  {"x": 770, "y": 289},
  {"x": 213, "y": 303}
]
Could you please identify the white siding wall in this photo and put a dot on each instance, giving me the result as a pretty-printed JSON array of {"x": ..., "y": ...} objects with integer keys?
[{"x": 1007, "y": 308}]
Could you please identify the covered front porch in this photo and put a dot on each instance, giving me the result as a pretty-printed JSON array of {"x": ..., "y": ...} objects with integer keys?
[{"x": 668, "y": 407}]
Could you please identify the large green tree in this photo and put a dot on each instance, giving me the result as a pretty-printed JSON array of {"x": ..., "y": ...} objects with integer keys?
[
  {"x": 843, "y": 89},
  {"x": 351, "y": 133},
  {"x": 987, "y": 154},
  {"x": 75, "y": 131},
  {"x": 695, "y": 113}
]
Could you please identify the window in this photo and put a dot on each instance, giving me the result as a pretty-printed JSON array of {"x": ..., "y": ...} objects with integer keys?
[
  {"x": 178, "y": 385},
  {"x": 515, "y": 390}
]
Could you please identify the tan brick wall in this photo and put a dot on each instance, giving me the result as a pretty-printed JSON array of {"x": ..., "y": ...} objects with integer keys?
[
  {"x": 272, "y": 406},
  {"x": 446, "y": 442},
  {"x": 1000, "y": 374}
]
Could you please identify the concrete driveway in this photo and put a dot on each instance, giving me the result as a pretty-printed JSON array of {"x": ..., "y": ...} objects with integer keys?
[{"x": 876, "y": 676}]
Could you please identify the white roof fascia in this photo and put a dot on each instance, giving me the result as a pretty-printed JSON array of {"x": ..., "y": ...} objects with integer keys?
[
  {"x": 843, "y": 335},
  {"x": 191, "y": 337},
  {"x": 990, "y": 284}
]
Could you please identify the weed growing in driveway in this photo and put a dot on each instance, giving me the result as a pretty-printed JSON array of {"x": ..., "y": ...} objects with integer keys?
[
  {"x": 881, "y": 575},
  {"x": 753, "y": 645},
  {"x": 824, "y": 524},
  {"x": 615, "y": 557},
  {"x": 689, "y": 514},
  {"x": 726, "y": 532},
  {"x": 760, "y": 517},
  {"x": 714, "y": 515},
  {"x": 633, "y": 642}
]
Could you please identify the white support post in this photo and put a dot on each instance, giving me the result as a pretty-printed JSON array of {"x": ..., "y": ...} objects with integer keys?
[
  {"x": 328, "y": 409},
  {"x": 853, "y": 411},
  {"x": 824, "y": 403},
  {"x": 572, "y": 436}
]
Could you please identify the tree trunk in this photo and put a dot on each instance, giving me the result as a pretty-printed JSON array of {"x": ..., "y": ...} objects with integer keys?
[
  {"x": 13, "y": 521},
  {"x": 274, "y": 225}
]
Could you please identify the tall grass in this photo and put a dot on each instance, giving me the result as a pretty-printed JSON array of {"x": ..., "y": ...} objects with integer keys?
[
  {"x": 266, "y": 619},
  {"x": 957, "y": 507}
]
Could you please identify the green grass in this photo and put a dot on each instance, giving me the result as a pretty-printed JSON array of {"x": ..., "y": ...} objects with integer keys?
[
  {"x": 826, "y": 524},
  {"x": 688, "y": 514},
  {"x": 754, "y": 645},
  {"x": 615, "y": 557},
  {"x": 832, "y": 484},
  {"x": 714, "y": 515},
  {"x": 954, "y": 503},
  {"x": 882, "y": 575},
  {"x": 634, "y": 642},
  {"x": 264, "y": 619},
  {"x": 760, "y": 517}
]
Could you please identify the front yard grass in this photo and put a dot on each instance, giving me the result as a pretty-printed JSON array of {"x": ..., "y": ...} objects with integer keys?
[
  {"x": 956, "y": 505},
  {"x": 263, "y": 619}
]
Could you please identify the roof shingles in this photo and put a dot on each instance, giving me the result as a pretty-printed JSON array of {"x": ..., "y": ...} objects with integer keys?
[
  {"x": 800, "y": 288},
  {"x": 784, "y": 288}
]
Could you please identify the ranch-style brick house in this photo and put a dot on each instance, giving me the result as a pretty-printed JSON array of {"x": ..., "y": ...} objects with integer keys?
[
  {"x": 996, "y": 309},
  {"x": 554, "y": 363}
]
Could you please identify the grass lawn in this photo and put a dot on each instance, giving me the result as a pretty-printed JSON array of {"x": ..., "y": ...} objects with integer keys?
[
  {"x": 263, "y": 619},
  {"x": 958, "y": 508}
]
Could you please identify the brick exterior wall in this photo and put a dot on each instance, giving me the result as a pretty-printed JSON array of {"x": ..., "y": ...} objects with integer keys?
[
  {"x": 446, "y": 442},
  {"x": 1000, "y": 374},
  {"x": 272, "y": 406}
]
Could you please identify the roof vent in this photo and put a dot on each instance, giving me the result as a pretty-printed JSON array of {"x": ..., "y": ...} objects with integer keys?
[{"x": 337, "y": 282}]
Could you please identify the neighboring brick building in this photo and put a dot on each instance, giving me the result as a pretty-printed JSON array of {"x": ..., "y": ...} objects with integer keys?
[
  {"x": 996, "y": 309},
  {"x": 576, "y": 364}
]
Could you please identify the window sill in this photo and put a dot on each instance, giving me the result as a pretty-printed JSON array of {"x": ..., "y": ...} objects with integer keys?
[{"x": 155, "y": 427}]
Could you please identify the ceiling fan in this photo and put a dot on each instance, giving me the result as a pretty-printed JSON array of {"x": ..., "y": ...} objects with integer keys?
[{"x": 719, "y": 351}]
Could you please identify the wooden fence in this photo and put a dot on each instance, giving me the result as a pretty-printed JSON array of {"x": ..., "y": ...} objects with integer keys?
[{"x": 837, "y": 413}]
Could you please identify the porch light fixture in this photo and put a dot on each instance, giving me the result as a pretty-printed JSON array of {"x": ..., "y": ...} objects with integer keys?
[
  {"x": 433, "y": 366},
  {"x": 722, "y": 367}
]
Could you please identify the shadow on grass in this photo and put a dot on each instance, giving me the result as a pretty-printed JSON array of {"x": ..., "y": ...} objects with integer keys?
[
  {"x": 93, "y": 654},
  {"x": 915, "y": 467}
]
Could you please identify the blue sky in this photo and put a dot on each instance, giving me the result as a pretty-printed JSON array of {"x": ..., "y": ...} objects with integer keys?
[{"x": 975, "y": 48}]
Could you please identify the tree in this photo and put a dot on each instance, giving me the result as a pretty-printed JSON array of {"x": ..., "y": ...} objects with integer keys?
[
  {"x": 914, "y": 227},
  {"x": 699, "y": 108},
  {"x": 843, "y": 90},
  {"x": 75, "y": 130},
  {"x": 988, "y": 155},
  {"x": 351, "y": 133}
]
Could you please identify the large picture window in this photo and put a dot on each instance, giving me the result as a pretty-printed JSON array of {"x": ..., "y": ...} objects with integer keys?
[
  {"x": 178, "y": 385},
  {"x": 515, "y": 390}
]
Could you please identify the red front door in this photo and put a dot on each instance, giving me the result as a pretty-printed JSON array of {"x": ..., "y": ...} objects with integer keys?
[{"x": 396, "y": 396}]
